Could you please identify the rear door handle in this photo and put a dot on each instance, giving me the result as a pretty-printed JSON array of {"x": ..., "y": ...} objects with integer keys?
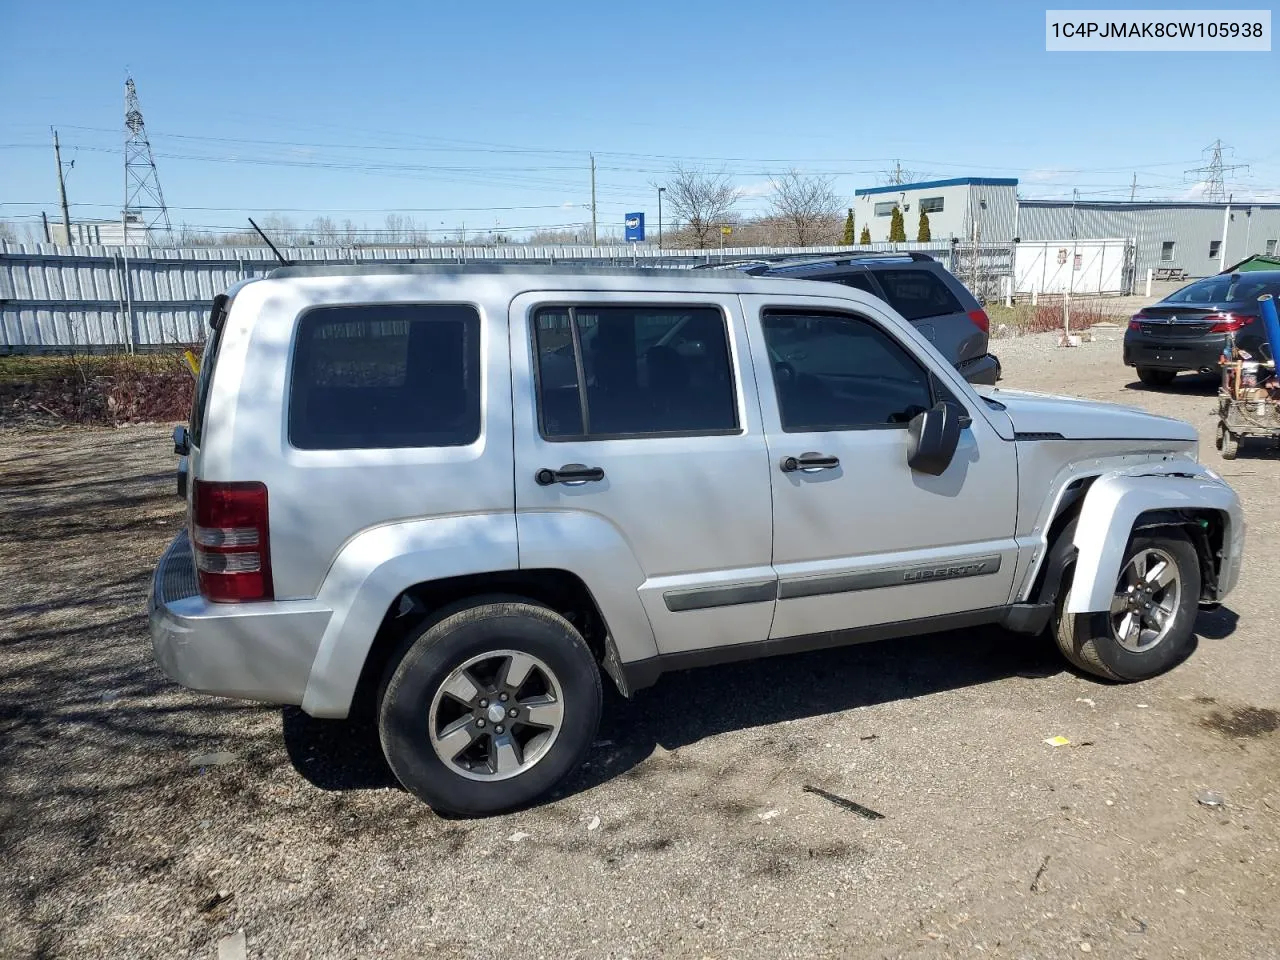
[
  {"x": 574, "y": 473},
  {"x": 809, "y": 462}
]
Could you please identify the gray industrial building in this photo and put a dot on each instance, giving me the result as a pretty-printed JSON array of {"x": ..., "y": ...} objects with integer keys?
[{"x": 1198, "y": 238}]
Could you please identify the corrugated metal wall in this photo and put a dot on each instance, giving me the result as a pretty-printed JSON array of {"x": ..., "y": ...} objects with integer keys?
[
  {"x": 1191, "y": 227},
  {"x": 994, "y": 223},
  {"x": 63, "y": 297}
]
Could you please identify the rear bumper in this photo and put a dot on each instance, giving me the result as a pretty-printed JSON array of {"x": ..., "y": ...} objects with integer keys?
[
  {"x": 1195, "y": 353},
  {"x": 983, "y": 370},
  {"x": 252, "y": 651}
]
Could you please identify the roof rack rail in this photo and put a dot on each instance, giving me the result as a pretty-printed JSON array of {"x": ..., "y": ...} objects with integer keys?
[{"x": 859, "y": 257}]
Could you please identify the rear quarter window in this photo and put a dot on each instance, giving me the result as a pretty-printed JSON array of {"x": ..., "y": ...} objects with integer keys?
[
  {"x": 917, "y": 294},
  {"x": 385, "y": 376}
]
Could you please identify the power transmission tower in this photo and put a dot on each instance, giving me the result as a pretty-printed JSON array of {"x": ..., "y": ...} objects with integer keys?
[
  {"x": 143, "y": 198},
  {"x": 1213, "y": 173}
]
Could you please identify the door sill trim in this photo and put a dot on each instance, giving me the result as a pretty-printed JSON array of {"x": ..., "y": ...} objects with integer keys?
[{"x": 645, "y": 673}]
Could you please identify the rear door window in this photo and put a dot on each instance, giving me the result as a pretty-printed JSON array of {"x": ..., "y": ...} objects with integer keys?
[
  {"x": 917, "y": 294},
  {"x": 606, "y": 371},
  {"x": 385, "y": 376}
]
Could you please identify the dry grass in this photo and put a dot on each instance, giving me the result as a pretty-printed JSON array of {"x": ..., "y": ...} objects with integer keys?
[
  {"x": 98, "y": 390},
  {"x": 1023, "y": 318}
]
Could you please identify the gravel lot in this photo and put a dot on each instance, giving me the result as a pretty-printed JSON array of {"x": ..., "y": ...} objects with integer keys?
[{"x": 140, "y": 820}]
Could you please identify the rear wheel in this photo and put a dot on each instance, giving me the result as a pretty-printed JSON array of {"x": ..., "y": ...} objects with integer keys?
[
  {"x": 1148, "y": 628},
  {"x": 1156, "y": 378},
  {"x": 491, "y": 706},
  {"x": 1228, "y": 443}
]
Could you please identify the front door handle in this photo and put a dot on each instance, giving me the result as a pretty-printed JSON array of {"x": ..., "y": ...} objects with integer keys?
[
  {"x": 809, "y": 462},
  {"x": 574, "y": 473}
]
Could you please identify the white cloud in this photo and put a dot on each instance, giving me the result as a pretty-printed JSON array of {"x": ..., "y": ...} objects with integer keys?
[
  {"x": 1046, "y": 175},
  {"x": 761, "y": 188}
]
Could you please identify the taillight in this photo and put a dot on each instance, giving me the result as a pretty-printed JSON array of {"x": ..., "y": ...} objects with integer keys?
[
  {"x": 1229, "y": 322},
  {"x": 1135, "y": 322},
  {"x": 980, "y": 320},
  {"x": 229, "y": 534}
]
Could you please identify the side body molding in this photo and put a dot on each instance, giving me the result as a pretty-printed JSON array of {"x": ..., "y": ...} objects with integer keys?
[
  {"x": 1114, "y": 503},
  {"x": 373, "y": 568}
]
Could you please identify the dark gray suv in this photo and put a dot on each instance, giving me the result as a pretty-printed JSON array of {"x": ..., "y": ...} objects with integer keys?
[{"x": 917, "y": 286}]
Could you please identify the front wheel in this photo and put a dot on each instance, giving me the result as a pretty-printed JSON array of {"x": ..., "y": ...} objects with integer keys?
[
  {"x": 491, "y": 706},
  {"x": 1156, "y": 378},
  {"x": 1148, "y": 628}
]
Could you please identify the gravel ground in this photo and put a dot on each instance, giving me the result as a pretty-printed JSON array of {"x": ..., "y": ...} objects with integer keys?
[{"x": 140, "y": 820}]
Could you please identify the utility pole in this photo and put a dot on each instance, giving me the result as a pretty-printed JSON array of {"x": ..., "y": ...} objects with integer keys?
[
  {"x": 661, "y": 191},
  {"x": 1071, "y": 277},
  {"x": 62, "y": 188},
  {"x": 593, "y": 199},
  {"x": 897, "y": 171},
  {"x": 48, "y": 237},
  {"x": 1133, "y": 187},
  {"x": 1226, "y": 225}
]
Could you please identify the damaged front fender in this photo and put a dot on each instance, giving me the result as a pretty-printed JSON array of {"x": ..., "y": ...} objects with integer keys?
[{"x": 1113, "y": 506}]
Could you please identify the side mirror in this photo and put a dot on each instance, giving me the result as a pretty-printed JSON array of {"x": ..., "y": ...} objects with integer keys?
[{"x": 932, "y": 438}]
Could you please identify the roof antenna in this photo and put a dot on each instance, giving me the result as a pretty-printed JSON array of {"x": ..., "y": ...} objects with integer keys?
[{"x": 279, "y": 255}]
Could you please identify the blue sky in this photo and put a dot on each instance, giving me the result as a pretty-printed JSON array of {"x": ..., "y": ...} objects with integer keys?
[{"x": 354, "y": 110}]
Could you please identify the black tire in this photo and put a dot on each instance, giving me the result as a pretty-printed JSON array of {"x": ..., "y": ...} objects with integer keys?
[
  {"x": 1228, "y": 443},
  {"x": 1089, "y": 641},
  {"x": 1156, "y": 378},
  {"x": 446, "y": 642}
]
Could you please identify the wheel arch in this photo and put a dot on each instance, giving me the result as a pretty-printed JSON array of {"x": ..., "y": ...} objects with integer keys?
[
  {"x": 560, "y": 590},
  {"x": 1115, "y": 506}
]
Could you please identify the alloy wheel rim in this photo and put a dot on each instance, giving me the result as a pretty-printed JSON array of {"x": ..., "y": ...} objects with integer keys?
[
  {"x": 1145, "y": 605},
  {"x": 496, "y": 715}
]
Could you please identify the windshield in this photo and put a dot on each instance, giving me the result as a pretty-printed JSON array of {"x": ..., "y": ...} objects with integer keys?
[{"x": 1221, "y": 290}]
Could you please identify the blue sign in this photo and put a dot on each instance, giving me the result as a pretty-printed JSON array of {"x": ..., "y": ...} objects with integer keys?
[{"x": 634, "y": 223}]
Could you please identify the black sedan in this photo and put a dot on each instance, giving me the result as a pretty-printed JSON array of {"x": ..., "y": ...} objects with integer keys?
[{"x": 1188, "y": 329}]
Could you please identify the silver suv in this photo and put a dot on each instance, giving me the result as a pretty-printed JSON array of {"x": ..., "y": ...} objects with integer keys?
[{"x": 466, "y": 495}]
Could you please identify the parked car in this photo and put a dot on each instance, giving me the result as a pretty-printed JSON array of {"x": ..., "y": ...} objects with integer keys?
[
  {"x": 920, "y": 288},
  {"x": 466, "y": 496},
  {"x": 1188, "y": 329}
]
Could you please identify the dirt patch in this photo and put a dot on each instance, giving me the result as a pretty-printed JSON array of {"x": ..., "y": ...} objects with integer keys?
[{"x": 1244, "y": 722}]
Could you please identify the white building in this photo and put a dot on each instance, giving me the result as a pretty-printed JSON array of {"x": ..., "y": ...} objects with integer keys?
[
  {"x": 108, "y": 233},
  {"x": 963, "y": 208}
]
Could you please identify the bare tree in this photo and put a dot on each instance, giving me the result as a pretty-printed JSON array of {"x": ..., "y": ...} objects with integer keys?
[
  {"x": 807, "y": 207},
  {"x": 702, "y": 200},
  {"x": 394, "y": 228},
  {"x": 324, "y": 230}
]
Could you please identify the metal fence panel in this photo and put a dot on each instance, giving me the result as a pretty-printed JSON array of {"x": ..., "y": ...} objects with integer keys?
[{"x": 58, "y": 298}]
